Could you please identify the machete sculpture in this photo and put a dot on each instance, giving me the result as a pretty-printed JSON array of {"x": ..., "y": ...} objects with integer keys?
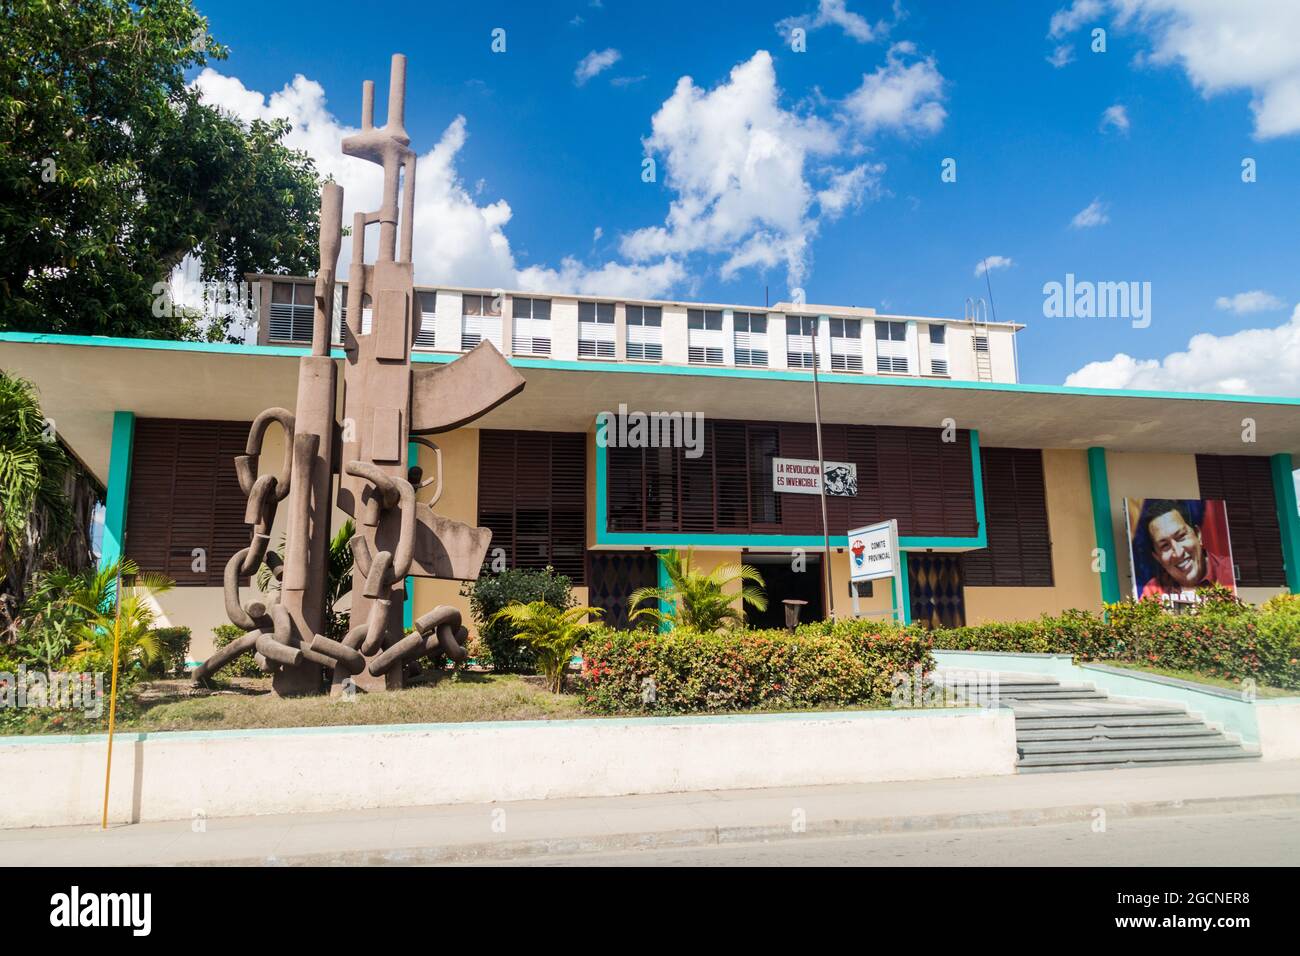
[{"x": 386, "y": 405}]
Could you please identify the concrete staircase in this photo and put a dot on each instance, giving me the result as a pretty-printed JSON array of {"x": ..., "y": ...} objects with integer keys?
[{"x": 1077, "y": 727}]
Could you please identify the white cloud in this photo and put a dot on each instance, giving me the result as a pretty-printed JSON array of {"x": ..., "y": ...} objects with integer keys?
[
  {"x": 1244, "y": 303},
  {"x": 899, "y": 95},
  {"x": 1223, "y": 46},
  {"x": 1070, "y": 18},
  {"x": 990, "y": 263},
  {"x": 1115, "y": 116},
  {"x": 612, "y": 278},
  {"x": 1249, "y": 362},
  {"x": 836, "y": 13},
  {"x": 595, "y": 63},
  {"x": 456, "y": 240},
  {"x": 1062, "y": 55},
  {"x": 1096, "y": 213},
  {"x": 743, "y": 169}
]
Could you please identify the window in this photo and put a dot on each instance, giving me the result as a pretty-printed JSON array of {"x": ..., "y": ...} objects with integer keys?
[
  {"x": 532, "y": 318},
  {"x": 751, "y": 338},
  {"x": 427, "y": 302},
  {"x": 891, "y": 347},
  {"x": 938, "y": 349},
  {"x": 645, "y": 332},
  {"x": 800, "y": 340},
  {"x": 704, "y": 336},
  {"x": 293, "y": 307},
  {"x": 596, "y": 329},
  {"x": 480, "y": 319},
  {"x": 1245, "y": 484},
  {"x": 1019, "y": 552},
  {"x": 846, "y": 345}
]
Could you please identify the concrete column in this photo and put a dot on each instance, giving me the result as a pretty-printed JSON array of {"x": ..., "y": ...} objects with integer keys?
[
  {"x": 1101, "y": 522},
  {"x": 119, "y": 482},
  {"x": 1288, "y": 520},
  {"x": 620, "y": 331}
]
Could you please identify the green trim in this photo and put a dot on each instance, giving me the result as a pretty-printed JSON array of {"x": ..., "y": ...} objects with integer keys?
[
  {"x": 1103, "y": 530},
  {"x": 906, "y": 605},
  {"x": 663, "y": 581},
  {"x": 630, "y": 368},
  {"x": 635, "y": 539},
  {"x": 1288, "y": 518},
  {"x": 119, "y": 484}
]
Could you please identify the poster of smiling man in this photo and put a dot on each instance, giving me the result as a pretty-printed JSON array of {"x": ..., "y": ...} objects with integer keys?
[{"x": 1178, "y": 545}]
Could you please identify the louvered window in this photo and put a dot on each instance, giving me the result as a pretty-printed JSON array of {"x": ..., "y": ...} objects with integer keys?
[
  {"x": 427, "y": 337},
  {"x": 480, "y": 320},
  {"x": 704, "y": 345},
  {"x": 938, "y": 349},
  {"x": 751, "y": 338},
  {"x": 891, "y": 347},
  {"x": 184, "y": 496},
  {"x": 846, "y": 345},
  {"x": 1019, "y": 552},
  {"x": 645, "y": 338},
  {"x": 595, "y": 329},
  {"x": 292, "y": 310},
  {"x": 532, "y": 318},
  {"x": 1245, "y": 483},
  {"x": 800, "y": 341},
  {"x": 532, "y": 494}
]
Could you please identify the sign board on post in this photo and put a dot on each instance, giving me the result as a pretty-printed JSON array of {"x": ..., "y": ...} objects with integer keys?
[
  {"x": 803, "y": 476},
  {"x": 874, "y": 555}
]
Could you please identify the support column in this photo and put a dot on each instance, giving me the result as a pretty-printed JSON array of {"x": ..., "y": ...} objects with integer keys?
[
  {"x": 119, "y": 482},
  {"x": 663, "y": 581},
  {"x": 1102, "y": 527},
  {"x": 1288, "y": 519}
]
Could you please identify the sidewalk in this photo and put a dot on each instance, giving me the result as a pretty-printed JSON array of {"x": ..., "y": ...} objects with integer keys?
[{"x": 450, "y": 834}]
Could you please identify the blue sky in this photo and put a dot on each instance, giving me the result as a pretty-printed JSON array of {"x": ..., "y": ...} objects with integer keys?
[{"x": 547, "y": 160}]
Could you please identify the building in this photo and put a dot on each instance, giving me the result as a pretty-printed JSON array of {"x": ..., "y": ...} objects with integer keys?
[{"x": 1009, "y": 497}]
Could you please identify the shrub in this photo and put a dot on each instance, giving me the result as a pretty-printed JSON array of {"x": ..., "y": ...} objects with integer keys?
[
  {"x": 491, "y": 593},
  {"x": 691, "y": 672},
  {"x": 174, "y": 648},
  {"x": 245, "y": 665}
]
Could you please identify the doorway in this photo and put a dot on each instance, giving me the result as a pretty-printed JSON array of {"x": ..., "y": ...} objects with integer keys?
[{"x": 782, "y": 581}]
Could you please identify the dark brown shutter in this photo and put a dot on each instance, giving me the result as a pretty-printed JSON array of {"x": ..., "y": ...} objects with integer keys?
[
  {"x": 1245, "y": 484},
  {"x": 184, "y": 495},
  {"x": 1019, "y": 552}
]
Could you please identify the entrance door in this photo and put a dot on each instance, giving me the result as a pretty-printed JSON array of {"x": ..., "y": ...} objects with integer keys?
[
  {"x": 937, "y": 595},
  {"x": 781, "y": 581}
]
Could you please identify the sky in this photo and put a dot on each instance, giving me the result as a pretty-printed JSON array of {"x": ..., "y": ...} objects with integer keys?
[{"x": 868, "y": 153}]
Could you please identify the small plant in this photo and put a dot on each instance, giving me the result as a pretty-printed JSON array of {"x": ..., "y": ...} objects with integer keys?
[
  {"x": 123, "y": 620},
  {"x": 496, "y": 647},
  {"x": 696, "y": 600},
  {"x": 553, "y": 634}
]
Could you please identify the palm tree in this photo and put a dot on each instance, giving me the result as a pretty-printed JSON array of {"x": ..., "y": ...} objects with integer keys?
[
  {"x": 126, "y": 623},
  {"x": 697, "y": 600},
  {"x": 553, "y": 633}
]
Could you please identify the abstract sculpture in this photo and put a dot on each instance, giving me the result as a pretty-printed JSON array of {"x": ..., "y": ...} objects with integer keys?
[{"x": 386, "y": 405}]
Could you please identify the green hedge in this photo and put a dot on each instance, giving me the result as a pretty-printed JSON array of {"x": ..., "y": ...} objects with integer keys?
[
  {"x": 245, "y": 665},
  {"x": 745, "y": 669},
  {"x": 497, "y": 647},
  {"x": 175, "y": 646}
]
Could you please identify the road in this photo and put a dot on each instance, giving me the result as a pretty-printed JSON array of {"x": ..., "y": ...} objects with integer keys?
[{"x": 1235, "y": 839}]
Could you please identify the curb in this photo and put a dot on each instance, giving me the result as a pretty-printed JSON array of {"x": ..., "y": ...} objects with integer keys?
[{"x": 506, "y": 851}]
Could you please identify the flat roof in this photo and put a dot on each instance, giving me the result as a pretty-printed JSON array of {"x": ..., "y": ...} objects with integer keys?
[{"x": 82, "y": 380}]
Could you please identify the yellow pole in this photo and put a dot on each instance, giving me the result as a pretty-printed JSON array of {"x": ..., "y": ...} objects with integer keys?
[{"x": 112, "y": 693}]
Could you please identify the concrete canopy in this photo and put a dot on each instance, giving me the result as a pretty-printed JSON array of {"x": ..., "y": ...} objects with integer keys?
[{"x": 82, "y": 381}]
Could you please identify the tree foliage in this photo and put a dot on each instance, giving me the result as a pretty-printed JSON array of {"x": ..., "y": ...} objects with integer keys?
[
  {"x": 112, "y": 170},
  {"x": 696, "y": 600}
]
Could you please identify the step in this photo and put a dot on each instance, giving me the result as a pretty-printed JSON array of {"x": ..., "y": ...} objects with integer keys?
[
  {"x": 1193, "y": 728},
  {"x": 1100, "y": 761},
  {"x": 1085, "y": 721},
  {"x": 1096, "y": 711},
  {"x": 1082, "y": 747},
  {"x": 1044, "y": 695},
  {"x": 1132, "y": 765}
]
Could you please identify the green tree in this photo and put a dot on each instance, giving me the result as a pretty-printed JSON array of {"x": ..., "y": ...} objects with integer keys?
[
  {"x": 124, "y": 621},
  {"x": 698, "y": 600},
  {"x": 112, "y": 170},
  {"x": 553, "y": 633}
]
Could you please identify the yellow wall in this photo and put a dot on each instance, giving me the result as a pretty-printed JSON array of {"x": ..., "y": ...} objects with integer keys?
[{"x": 1069, "y": 517}]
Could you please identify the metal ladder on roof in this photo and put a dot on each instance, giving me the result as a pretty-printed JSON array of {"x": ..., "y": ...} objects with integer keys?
[{"x": 977, "y": 316}]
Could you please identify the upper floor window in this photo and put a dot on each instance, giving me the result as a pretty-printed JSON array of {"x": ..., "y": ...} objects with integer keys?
[
  {"x": 751, "y": 338},
  {"x": 891, "y": 347},
  {"x": 480, "y": 319},
  {"x": 596, "y": 329},
  {"x": 645, "y": 332},
  {"x": 704, "y": 336},
  {"x": 427, "y": 303},
  {"x": 938, "y": 349},
  {"x": 532, "y": 317},
  {"x": 846, "y": 345},
  {"x": 800, "y": 340},
  {"x": 293, "y": 307}
]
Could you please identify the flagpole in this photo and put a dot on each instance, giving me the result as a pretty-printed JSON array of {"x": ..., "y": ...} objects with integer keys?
[{"x": 821, "y": 471}]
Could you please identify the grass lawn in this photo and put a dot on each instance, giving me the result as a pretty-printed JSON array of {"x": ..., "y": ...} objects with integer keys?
[{"x": 1261, "y": 690}]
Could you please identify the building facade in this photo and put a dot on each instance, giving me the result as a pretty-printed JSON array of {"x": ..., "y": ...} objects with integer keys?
[{"x": 1009, "y": 498}]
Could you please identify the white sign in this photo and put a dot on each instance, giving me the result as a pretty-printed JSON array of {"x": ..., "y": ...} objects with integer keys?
[
  {"x": 804, "y": 477},
  {"x": 873, "y": 552}
]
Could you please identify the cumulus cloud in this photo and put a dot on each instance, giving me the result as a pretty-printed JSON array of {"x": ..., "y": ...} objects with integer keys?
[
  {"x": 1249, "y": 362},
  {"x": 594, "y": 63},
  {"x": 1115, "y": 117},
  {"x": 836, "y": 13},
  {"x": 1061, "y": 55},
  {"x": 745, "y": 171},
  {"x": 1244, "y": 303},
  {"x": 1222, "y": 46},
  {"x": 1096, "y": 213},
  {"x": 457, "y": 240},
  {"x": 900, "y": 95},
  {"x": 990, "y": 263}
]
